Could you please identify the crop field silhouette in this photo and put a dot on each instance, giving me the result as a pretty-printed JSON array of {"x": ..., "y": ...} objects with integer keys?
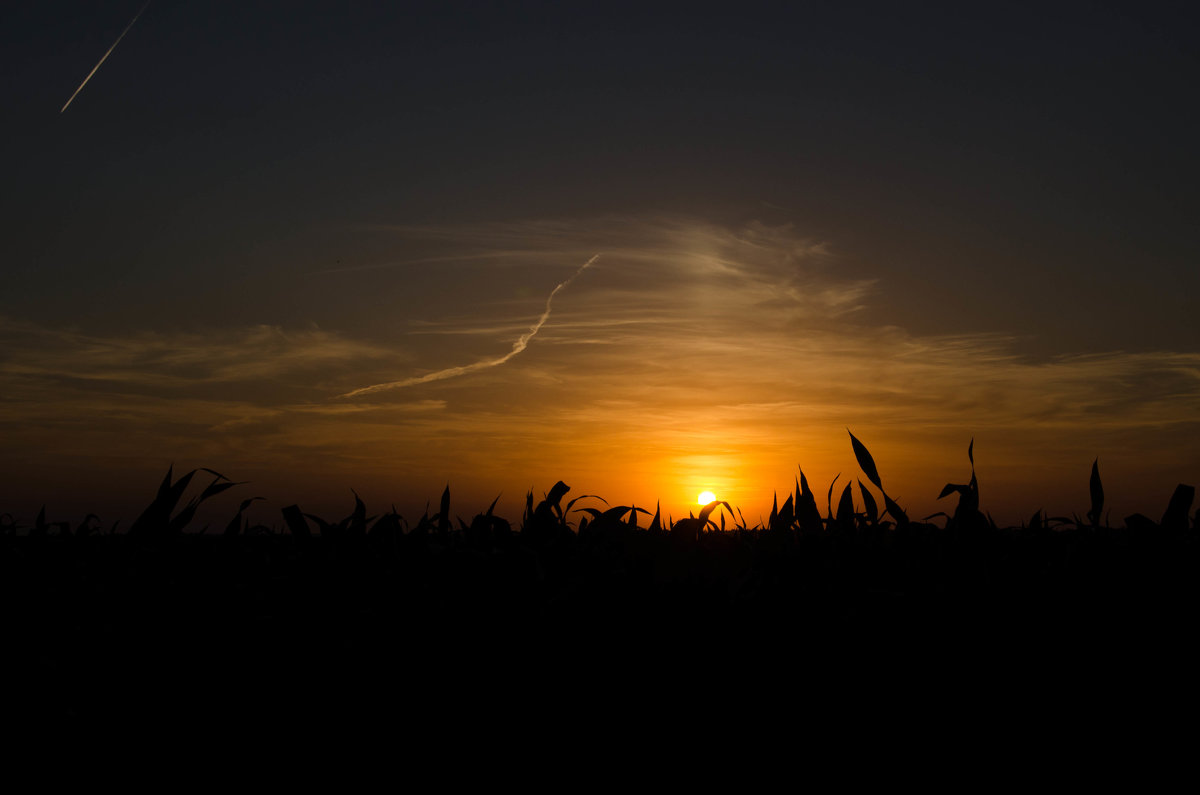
[{"x": 318, "y": 614}]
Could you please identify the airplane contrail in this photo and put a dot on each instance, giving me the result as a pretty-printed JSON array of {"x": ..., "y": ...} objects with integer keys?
[
  {"x": 453, "y": 372},
  {"x": 105, "y": 58}
]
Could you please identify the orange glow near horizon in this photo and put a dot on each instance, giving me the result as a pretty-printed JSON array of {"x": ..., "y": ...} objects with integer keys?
[{"x": 623, "y": 394}]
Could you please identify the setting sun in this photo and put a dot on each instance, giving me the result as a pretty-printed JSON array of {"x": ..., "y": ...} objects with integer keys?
[{"x": 705, "y": 497}]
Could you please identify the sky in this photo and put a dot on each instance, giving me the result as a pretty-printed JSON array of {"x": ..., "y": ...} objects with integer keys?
[{"x": 646, "y": 248}]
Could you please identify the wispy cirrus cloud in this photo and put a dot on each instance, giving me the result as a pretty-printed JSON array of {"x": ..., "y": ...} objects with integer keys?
[
  {"x": 687, "y": 342},
  {"x": 678, "y": 313},
  {"x": 455, "y": 371},
  {"x": 165, "y": 359}
]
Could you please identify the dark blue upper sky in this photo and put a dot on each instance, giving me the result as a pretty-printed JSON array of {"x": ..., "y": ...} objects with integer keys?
[{"x": 988, "y": 160}]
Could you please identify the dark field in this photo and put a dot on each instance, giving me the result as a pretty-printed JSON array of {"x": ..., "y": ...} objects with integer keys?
[{"x": 445, "y": 617}]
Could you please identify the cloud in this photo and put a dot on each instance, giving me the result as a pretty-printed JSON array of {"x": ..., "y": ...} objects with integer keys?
[
  {"x": 104, "y": 57},
  {"x": 692, "y": 342},
  {"x": 453, "y": 372},
  {"x": 166, "y": 361},
  {"x": 678, "y": 318}
]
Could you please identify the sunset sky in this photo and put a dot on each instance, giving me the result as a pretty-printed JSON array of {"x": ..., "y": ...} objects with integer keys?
[{"x": 922, "y": 222}]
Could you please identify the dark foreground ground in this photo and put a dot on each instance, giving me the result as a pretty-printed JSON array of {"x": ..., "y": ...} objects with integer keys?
[{"x": 447, "y": 629}]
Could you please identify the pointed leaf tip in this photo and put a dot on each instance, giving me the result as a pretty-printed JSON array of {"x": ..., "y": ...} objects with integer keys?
[
  {"x": 870, "y": 507},
  {"x": 865, "y": 461},
  {"x": 1096, "y": 489}
]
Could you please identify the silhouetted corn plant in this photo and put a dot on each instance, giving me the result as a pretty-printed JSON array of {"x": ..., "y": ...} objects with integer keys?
[
  {"x": 966, "y": 515},
  {"x": 237, "y": 525},
  {"x": 548, "y": 521},
  {"x": 808, "y": 517},
  {"x": 1096, "y": 488},
  {"x": 867, "y": 464},
  {"x": 488, "y": 530},
  {"x": 160, "y": 517},
  {"x": 42, "y": 528},
  {"x": 843, "y": 521},
  {"x": 1176, "y": 516},
  {"x": 689, "y": 529},
  {"x": 293, "y": 518},
  {"x": 85, "y": 527},
  {"x": 829, "y": 501},
  {"x": 610, "y": 525},
  {"x": 781, "y": 519}
]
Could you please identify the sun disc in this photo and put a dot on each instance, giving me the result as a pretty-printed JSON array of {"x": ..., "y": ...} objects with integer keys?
[{"x": 706, "y": 497}]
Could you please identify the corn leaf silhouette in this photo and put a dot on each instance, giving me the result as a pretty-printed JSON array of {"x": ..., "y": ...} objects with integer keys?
[
  {"x": 895, "y": 510},
  {"x": 359, "y": 519},
  {"x": 951, "y": 488},
  {"x": 870, "y": 507},
  {"x": 845, "y": 511},
  {"x": 867, "y": 464},
  {"x": 571, "y": 503},
  {"x": 615, "y": 514},
  {"x": 294, "y": 520},
  {"x": 865, "y": 461},
  {"x": 1176, "y": 516},
  {"x": 689, "y": 529},
  {"x": 235, "y": 527},
  {"x": 807, "y": 514},
  {"x": 551, "y": 503},
  {"x": 787, "y": 514},
  {"x": 829, "y": 496},
  {"x": 217, "y": 487},
  {"x": 547, "y": 522},
  {"x": 743, "y": 525},
  {"x": 967, "y": 513},
  {"x": 176, "y": 490},
  {"x": 1097, "y": 494},
  {"x": 160, "y": 517},
  {"x": 324, "y": 528},
  {"x": 85, "y": 527},
  {"x": 444, "y": 511}
]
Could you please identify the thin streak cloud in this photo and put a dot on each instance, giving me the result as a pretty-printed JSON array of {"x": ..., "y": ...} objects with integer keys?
[
  {"x": 105, "y": 58},
  {"x": 453, "y": 372}
]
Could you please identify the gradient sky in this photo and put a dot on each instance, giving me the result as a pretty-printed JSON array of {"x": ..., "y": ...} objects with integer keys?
[{"x": 924, "y": 222}]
